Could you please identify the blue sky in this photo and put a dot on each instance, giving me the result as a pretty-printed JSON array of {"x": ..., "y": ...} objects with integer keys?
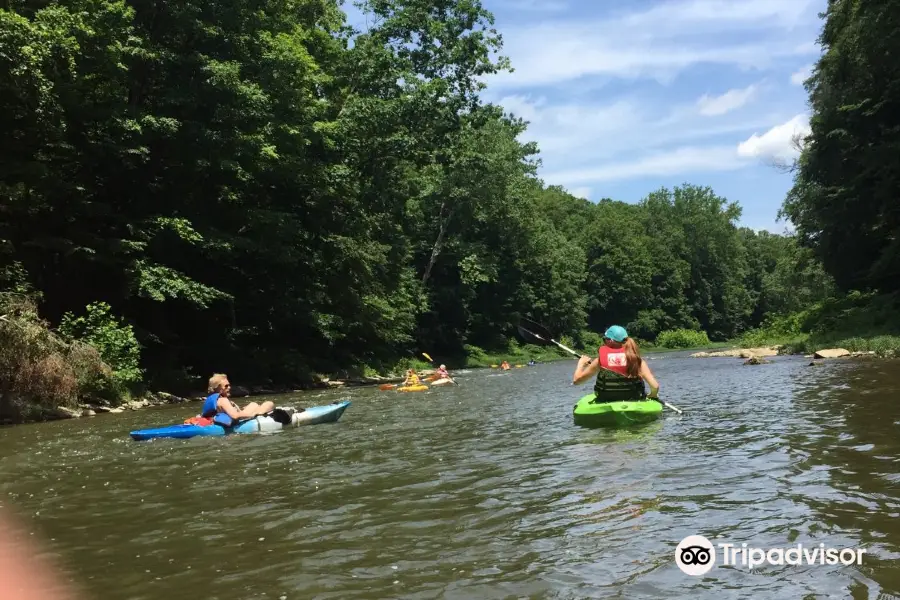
[{"x": 625, "y": 97}]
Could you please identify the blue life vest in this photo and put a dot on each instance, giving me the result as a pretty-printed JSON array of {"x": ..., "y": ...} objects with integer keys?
[{"x": 211, "y": 409}]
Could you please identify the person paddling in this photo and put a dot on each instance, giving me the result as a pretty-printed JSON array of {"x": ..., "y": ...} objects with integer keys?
[
  {"x": 219, "y": 407},
  {"x": 620, "y": 370},
  {"x": 412, "y": 378},
  {"x": 442, "y": 372}
]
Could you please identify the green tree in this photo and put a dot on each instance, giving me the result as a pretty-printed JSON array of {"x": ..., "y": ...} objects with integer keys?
[{"x": 843, "y": 200}]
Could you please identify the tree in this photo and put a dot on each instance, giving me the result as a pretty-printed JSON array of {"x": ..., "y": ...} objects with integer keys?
[{"x": 843, "y": 199}]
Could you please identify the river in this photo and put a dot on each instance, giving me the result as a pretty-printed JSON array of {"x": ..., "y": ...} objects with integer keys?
[{"x": 485, "y": 490}]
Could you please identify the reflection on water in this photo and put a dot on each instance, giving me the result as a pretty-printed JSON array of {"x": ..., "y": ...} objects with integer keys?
[{"x": 485, "y": 490}]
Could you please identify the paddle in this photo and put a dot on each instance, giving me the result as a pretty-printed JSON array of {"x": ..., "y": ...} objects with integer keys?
[{"x": 540, "y": 332}]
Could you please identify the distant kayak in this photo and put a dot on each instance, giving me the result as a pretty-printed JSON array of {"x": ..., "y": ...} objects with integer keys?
[
  {"x": 444, "y": 381},
  {"x": 412, "y": 388},
  {"x": 588, "y": 413},
  {"x": 261, "y": 424}
]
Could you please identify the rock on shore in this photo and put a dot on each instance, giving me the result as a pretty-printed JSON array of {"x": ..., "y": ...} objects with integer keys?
[
  {"x": 90, "y": 410},
  {"x": 831, "y": 353},
  {"x": 754, "y": 355},
  {"x": 740, "y": 353}
]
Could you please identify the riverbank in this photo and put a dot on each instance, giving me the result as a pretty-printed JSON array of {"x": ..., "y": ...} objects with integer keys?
[
  {"x": 858, "y": 323},
  {"x": 753, "y": 355},
  {"x": 67, "y": 379}
]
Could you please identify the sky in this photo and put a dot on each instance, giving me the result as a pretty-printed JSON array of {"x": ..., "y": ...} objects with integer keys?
[{"x": 626, "y": 97}]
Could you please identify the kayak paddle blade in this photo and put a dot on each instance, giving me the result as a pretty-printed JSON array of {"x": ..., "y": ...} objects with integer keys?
[
  {"x": 535, "y": 329},
  {"x": 529, "y": 328},
  {"x": 532, "y": 336},
  {"x": 425, "y": 354}
]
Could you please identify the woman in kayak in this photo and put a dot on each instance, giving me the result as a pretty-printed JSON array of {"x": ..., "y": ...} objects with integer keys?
[
  {"x": 620, "y": 370},
  {"x": 442, "y": 372},
  {"x": 411, "y": 378},
  {"x": 219, "y": 407}
]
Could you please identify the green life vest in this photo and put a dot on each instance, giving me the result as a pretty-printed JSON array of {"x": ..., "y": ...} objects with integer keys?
[{"x": 613, "y": 387}]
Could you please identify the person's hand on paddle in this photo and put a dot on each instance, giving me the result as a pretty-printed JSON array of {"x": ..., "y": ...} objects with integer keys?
[{"x": 584, "y": 360}]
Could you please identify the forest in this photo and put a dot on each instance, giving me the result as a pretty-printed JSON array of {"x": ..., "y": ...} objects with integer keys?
[{"x": 260, "y": 188}]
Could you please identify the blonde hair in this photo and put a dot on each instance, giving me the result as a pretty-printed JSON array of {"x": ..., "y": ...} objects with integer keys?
[{"x": 216, "y": 381}]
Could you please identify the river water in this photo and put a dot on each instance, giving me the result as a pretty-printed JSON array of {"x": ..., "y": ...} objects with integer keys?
[{"x": 485, "y": 490}]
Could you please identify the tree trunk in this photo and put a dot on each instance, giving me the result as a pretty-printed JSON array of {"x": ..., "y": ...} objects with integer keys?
[{"x": 438, "y": 243}]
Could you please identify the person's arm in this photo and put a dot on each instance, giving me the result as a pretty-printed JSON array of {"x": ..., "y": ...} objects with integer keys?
[
  {"x": 585, "y": 371},
  {"x": 228, "y": 407},
  {"x": 647, "y": 374}
]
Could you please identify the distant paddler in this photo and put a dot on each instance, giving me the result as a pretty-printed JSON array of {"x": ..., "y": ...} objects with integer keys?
[{"x": 412, "y": 378}]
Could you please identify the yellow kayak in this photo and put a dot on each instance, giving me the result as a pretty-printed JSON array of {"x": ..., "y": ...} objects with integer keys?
[{"x": 412, "y": 388}]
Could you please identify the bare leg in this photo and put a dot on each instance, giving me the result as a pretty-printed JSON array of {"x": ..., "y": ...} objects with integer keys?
[{"x": 260, "y": 409}]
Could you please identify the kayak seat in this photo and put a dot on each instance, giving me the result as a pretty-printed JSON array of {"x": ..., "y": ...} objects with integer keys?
[{"x": 614, "y": 387}]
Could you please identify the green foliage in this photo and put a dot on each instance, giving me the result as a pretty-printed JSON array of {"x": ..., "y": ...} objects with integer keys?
[
  {"x": 516, "y": 355},
  {"x": 843, "y": 201},
  {"x": 775, "y": 330},
  {"x": 590, "y": 340},
  {"x": 113, "y": 339},
  {"x": 405, "y": 364},
  {"x": 682, "y": 338},
  {"x": 41, "y": 372},
  {"x": 856, "y": 321}
]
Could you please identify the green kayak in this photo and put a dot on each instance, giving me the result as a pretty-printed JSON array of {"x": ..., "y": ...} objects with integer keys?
[{"x": 615, "y": 414}]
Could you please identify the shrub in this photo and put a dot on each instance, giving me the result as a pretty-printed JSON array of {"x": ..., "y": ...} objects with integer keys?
[
  {"x": 682, "y": 338},
  {"x": 411, "y": 363},
  {"x": 591, "y": 340},
  {"x": 114, "y": 341},
  {"x": 39, "y": 371}
]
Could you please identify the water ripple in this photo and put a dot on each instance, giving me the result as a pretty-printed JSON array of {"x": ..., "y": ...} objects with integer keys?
[{"x": 485, "y": 490}]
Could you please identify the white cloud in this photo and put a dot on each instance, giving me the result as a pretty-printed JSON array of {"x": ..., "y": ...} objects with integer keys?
[
  {"x": 778, "y": 142},
  {"x": 580, "y": 82},
  {"x": 727, "y": 102},
  {"x": 658, "y": 42},
  {"x": 581, "y": 192},
  {"x": 676, "y": 14},
  {"x": 802, "y": 75},
  {"x": 680, "y": 160},
  {"x": 532, "y": 5},
  {"x": 591, "y": 132}
]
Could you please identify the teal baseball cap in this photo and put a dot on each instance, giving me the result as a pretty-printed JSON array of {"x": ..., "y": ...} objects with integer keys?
[{"x": 616, "y": 333}]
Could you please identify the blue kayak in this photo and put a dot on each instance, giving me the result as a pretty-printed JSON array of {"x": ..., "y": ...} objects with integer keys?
[{"x": 261, "y": 424}]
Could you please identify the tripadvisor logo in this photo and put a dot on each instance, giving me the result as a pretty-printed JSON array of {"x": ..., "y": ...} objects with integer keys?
[{"x": 695, "y": 555}]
